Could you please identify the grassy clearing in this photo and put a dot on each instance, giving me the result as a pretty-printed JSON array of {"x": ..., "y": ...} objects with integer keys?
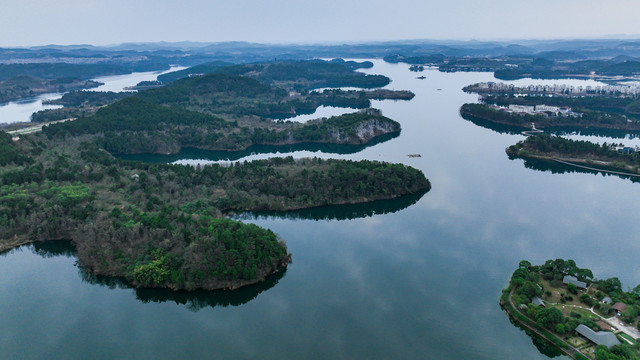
[
  {"x": 576, "y": 341},
  {"x": 627, "y": 337}
]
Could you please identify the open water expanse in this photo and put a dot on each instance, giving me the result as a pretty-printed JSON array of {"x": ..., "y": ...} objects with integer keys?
[{"x": 411, "y": 278}]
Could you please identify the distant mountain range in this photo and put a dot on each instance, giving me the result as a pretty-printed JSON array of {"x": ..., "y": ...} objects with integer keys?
[{"x": 247, "y": 52}]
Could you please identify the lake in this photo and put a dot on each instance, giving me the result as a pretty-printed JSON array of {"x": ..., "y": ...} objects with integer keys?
[{"x": 411, "y": 278}]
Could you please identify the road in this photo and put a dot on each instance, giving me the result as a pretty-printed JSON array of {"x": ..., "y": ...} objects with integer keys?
[{"x": 31, "y": 129}]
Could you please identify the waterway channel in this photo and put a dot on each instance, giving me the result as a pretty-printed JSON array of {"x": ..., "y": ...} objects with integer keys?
[{"x": 416, "y": 278}]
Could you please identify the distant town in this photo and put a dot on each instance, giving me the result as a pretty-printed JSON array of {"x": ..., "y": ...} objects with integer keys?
[
  {"x": 544, "y": 110},
  {"x": 555, "y": 89}
]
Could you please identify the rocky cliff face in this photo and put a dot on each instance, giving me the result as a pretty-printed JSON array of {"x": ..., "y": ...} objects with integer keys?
[
  {"x": 364, "y": 131},
  {"x": 375, "y": 127}
]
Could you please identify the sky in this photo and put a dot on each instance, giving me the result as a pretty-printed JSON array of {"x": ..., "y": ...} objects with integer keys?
[{"x": 103, "y": 22}]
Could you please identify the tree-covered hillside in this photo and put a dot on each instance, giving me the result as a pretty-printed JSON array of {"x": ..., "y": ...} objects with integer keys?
[{"x": 220, "y": 111}]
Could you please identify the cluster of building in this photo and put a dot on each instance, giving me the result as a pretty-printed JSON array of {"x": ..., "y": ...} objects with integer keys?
[
  {"x": 627, "y": 90},
  {"x": 607, "y": 337},
  {"x": 544, "y": 110}
]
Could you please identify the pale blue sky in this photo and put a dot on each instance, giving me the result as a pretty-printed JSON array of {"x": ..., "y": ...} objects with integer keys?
[{"x": 38, "y": 22}]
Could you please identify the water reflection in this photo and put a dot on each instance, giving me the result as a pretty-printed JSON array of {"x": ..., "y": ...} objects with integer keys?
[
  {"x": 542, "y": 345},
  {"x": 321, "y": 111},
  {"x": 499, "y": 128},
  {"x": 52, "y": 248},
  {"x": 341, "y": 212},
  {"x": 558, "y": 168},
  {"x": 193, "y": 300},
  {"x": 599, "y": 133},
  {"x": 569, "y": 131},
  {"x": 217, "y": 155}
]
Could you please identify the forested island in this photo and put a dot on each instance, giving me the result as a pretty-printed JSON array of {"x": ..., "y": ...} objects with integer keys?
[
  {"x": 583, "y": 317},
  {"x": 547, "y": 147},
  {"x": 162, "y": 225}
]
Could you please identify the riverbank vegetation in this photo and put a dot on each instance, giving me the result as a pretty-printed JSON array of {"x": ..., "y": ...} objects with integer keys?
[{"x": 563, "y": 306}]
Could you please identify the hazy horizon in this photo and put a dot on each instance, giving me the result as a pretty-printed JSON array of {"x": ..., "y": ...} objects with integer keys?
[
  {"x": 101, "y": 23},
  {"x": 355, "y": 42}
]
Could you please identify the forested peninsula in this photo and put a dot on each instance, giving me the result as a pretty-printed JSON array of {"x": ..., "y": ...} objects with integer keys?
[
  {"x": 163, "y": 225},
  {"x": 587, "y": 119}
]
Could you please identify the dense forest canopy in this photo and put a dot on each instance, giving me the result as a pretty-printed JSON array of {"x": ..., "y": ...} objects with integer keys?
[{"x": 161, "y": 225}]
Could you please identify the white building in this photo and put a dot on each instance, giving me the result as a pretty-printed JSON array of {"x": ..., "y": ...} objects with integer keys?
[
  {"x": 553, "y": 109},
  {"x": 522, "y": 109}
]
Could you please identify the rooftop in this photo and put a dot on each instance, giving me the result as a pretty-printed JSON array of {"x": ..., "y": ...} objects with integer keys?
[
  {"x": 619, "y": 306},
  {"x": 568, "y": 279},
  {"x": 537, "y": 301},
  {"x": 605, "y": 338}
]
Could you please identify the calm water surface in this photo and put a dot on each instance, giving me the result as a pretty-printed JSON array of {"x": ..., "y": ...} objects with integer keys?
[{"x": 416, "y": 278}]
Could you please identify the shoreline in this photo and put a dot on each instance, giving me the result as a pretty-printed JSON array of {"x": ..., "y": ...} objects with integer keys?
[{"x": 578, "y": 162}]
